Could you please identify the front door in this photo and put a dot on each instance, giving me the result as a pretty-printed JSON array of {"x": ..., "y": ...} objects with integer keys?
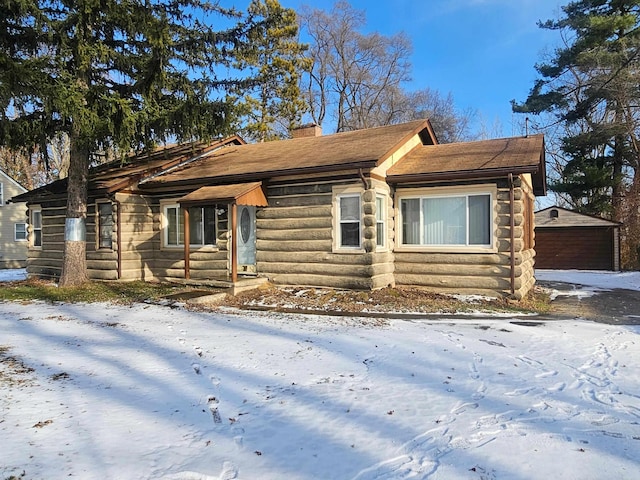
[{"x": 246, "y": 236}]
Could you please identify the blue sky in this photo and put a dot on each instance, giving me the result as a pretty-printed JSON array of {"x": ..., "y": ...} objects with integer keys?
[{"x": 483, "y": 52}]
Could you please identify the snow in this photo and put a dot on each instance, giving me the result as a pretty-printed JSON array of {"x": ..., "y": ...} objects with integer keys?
[
  {"x": 101, "y": 391},
  {"x": 12, "y": 274},
  {"x": 591, "y": 279}
]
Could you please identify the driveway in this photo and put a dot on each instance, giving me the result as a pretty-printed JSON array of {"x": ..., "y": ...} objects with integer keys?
[{"x": 615, "y": 307}]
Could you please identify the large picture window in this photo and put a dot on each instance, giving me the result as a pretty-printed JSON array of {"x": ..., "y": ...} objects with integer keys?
[
  {"x": 202, "y": 225},
  {"x": 456, "y": 220},
  {"x": 350, "y": 214}
]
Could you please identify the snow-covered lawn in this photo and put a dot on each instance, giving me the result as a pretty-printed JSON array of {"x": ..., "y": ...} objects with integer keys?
[{"x": 151, "y": 392}]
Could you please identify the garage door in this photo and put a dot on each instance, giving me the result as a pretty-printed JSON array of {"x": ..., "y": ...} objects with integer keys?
[{"x": 580, "y": 248}]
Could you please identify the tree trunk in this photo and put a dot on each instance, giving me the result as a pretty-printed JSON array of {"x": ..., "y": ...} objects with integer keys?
[{"x": 74, "y": 262}]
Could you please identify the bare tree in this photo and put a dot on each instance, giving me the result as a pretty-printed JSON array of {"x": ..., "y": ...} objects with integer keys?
[{"x": 356, "y": 80}]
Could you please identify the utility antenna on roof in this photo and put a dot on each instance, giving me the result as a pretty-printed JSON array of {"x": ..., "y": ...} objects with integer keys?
[{"x": 526, "y": 127}]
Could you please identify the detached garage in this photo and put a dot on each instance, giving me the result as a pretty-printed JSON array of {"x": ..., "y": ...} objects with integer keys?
[{"x": 570, "y": 240}]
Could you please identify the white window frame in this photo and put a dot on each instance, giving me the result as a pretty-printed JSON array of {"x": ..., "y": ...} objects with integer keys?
[
  {"x": 381, "y": 222},
  {"x": 447, "y": 192},
  {"x": 340, "y": 192},
  {"x": 32, "y": 211},
  {"x": 1, "y": 194},
  {"x": 180, "y": 243},
  {"x": 25, "y": 232}
]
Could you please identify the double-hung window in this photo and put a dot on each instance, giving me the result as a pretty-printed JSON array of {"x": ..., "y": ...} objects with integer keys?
[
  {"x": 350, "y": 221},
  {"x": 36, "y": 225},
  {"x": 20, "y": 232},
  {"x": 202, "y": 225},
  {"x": 381, "y": 221},
  {"x": 105, "y": 224},
  {"x": 459, "y": 220}
]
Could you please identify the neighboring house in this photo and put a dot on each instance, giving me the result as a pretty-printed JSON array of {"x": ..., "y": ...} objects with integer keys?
[
  {"x": 572, "y": 240},
  {"x": 360, "y": 210},
  {"x": 13, "y": 225}
]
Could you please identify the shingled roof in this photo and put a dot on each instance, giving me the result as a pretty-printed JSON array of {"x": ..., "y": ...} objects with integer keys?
[
  {"x": 469, "y": 160},
  {"x": 114, "y": 176},
  {"x": 356, "y": 149}
]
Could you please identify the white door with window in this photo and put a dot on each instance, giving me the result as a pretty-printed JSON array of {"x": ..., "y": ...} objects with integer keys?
[{"x": 246, "y": 238}]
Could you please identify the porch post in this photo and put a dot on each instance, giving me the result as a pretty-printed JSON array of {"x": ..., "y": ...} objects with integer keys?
[
  {"x": 234, "y": 244},
  {"x": 187, "y": 242}
]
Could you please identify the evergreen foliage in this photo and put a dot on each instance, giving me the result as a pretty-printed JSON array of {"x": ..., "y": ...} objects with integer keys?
[
  {"x": 118, "y": 75},
  {"x": 274, "y": 106},
  {"x": 591, "y": 84}
]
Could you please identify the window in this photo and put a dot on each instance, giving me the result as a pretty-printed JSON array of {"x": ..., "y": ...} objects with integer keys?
[
  {"x": 349, "y": 206},
  {"x": 457, "y": 220},
  {"x": 529, "y": 223},
  {"x": 202, "y": 225},
  {"x": 36, "y": 225},
  {"x": 20, "y": 230},
  {"x": 105, "y": 224},
  {"x": 381, "y": 221}
]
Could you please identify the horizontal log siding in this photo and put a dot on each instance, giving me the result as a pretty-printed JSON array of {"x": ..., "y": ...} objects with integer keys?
[
  {"x": 485, "y": 273},
  {"x": 46, "y": 261},
  {"x": 527, "y": 254},
  {"x": 102, "y": 264},
  {"x": 295, "y": 241},
  {"x": 139, "y": 235}
]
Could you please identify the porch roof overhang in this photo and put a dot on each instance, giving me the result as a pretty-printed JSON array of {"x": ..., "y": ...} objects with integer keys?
[{"x": 250, "y": 194}]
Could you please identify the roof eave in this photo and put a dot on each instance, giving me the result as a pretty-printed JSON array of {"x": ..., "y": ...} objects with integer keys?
[
  {"x": 247, "y": 177},
  {"x": 463, "y": 175}
]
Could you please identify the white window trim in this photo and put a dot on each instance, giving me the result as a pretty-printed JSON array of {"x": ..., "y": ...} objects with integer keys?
[
  {"x": 344, "y": 192},
  {"x": 1, "y": 194},
  {"x": 15, "y": 232},
  {"x": 385, "y": 220},
  {"x": 164, "y": 225},
  {"x": 31, "y": 234},
  {"x": 443, "y": 192}
]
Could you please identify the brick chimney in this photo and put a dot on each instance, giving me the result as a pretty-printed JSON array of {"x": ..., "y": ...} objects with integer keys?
[{"x": 308, "y": 130}]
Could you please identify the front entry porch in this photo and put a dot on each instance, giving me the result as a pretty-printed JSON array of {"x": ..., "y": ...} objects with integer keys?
[{"x": 242, "y": 200}]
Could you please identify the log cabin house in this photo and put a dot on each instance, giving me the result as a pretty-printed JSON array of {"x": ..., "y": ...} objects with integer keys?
[{"x": 363, "y": 209}]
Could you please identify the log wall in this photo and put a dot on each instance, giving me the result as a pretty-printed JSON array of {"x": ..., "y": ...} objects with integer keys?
[
  {"x": 143, "y": 256},
  {"x": 46, "y": 262},
  {"x": 136, "y": 228},
  {"x": 295, "y": 240},
  {"x": 478, "y": 273}
]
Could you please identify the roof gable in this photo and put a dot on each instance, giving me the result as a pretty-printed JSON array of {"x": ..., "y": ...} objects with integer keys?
[
  {"x": 568, "y": 218},
  {"x": 468, "y": 160},
  {"x": 4, "y": 175}
]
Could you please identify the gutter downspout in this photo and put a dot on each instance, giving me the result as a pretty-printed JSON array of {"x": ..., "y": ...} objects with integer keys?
[
  {"x": 363, "y": 178},
  {"x": 512, "y": 247}
]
